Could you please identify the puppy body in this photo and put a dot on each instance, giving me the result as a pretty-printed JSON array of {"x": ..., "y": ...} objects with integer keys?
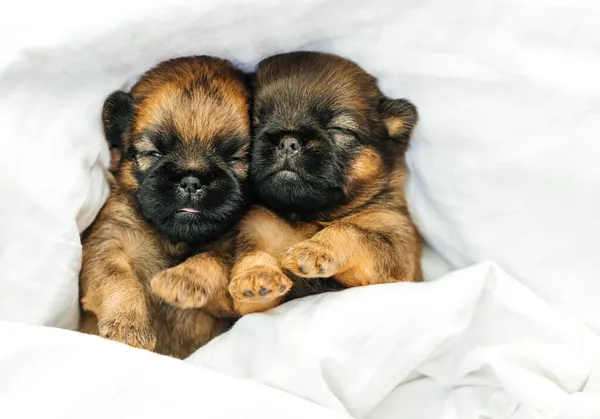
[
  {"x": 328, "y": 166},
  {"x": 156, "y": 261}
]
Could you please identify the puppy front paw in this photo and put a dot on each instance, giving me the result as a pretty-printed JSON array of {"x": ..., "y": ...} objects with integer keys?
[
  {"x": 259, "y": 284},
  {"x": 310, "y": 259},
  {"x": 129, "y": 328},
  {"x": 178, "y": 287}
]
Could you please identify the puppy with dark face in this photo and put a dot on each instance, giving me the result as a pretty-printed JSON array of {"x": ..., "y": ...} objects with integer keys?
[
  {"x": 328, "y": 168},
  {"x": 156, "y": 261}
]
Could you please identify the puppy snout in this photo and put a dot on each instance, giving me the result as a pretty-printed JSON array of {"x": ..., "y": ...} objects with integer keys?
[
  {"x": 190, "y": 184},
  {"x": 288, "y": 146}
]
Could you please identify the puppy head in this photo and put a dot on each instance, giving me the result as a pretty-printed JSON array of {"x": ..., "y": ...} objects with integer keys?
[
  {"x": 185, "y": 134},
  {"x": 325, "y": 136}
]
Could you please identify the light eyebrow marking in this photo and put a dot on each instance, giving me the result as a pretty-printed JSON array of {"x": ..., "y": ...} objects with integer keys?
[
  {"x": 242, "y": 149},
  {"x": 145, "y": 144},
  {"x": 343, "y": 120}
]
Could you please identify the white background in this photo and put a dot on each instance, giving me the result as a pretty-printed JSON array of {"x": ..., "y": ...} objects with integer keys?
[{"x": 504, "y": 168}]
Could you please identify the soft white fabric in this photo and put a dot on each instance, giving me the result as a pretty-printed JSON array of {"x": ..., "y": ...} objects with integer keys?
[
  {"x": 52, "y": 373},
  {"x": 506, "y": 163},
  {"x": 475, "y": 344},
  {"x": 504, "y": 167}
]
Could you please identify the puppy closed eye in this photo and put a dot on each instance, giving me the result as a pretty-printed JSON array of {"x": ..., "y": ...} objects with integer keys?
[
  {"x": 154, "y": 154},
  {"x": 148, "y": 158},
  {"x": 238, "y": 162},
  {"x": 343, "y": 133},
  {"x": 239, "y": 156},
  {"x": 237, "y": 159},
  {"x": 344, "y": 123},
  {"x": 341, "y": 129}
]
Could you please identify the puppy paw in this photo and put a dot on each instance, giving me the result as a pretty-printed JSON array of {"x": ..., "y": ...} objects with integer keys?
[
  {"x": 310, "y": 259},
  {"x": 178, "y": 287},
  {"x": 132, "y": 329},
  {"x": 260, "y": 284}
]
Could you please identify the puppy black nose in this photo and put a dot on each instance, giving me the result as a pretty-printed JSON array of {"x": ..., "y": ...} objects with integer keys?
[
  {"x": 190, "y": 184},
  {"x": 288, "y": 146}
]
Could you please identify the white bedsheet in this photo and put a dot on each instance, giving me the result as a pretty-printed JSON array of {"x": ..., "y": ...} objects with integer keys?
[
  {"x": 504, "y": 169},
  {"x": 52, "y": 373},
  {"x": 475, "y": 344}
]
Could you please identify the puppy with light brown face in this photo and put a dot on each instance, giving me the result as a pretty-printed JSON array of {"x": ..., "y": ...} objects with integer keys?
[
  {"x": 156, "y": 261},
  {"x": 328, "y": 168}
]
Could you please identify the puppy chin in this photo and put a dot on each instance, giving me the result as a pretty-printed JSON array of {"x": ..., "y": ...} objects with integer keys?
[
  {"x": 192, "y": 228},
  {"x": 288, "y": 192},
  {"x": 201, "y": 225}
]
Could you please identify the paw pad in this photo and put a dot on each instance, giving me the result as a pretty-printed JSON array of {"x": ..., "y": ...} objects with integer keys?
[{"x": 263, "y": 283}]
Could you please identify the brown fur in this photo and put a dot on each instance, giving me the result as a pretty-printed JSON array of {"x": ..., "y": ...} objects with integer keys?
[
  {"x": 368, "y": 238},
  {"x": 134, "y": 286}
]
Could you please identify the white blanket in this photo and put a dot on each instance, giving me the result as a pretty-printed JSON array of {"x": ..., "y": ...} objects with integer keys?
[
  {"x": 60, "y": 374},
  {"x": 504, "y": 168},
  {"x": 475, "y": 344}
]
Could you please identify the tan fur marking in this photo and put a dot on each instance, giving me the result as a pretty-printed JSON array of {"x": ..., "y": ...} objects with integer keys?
[
  {"x": 366, "y": 166},
  {"x": 395, "y": 126},
  {"x": 145, "y": 145},
  {"x": 344, "y": 121}
]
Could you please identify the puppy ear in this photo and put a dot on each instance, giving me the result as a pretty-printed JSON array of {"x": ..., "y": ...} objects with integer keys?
[
  {"x": 399, "y": 116},
  {"x": 116, "y": 117}
]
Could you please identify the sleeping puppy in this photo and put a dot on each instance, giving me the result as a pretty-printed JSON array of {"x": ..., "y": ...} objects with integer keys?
[
  {"x": 164, "y": 234},
  {"x": 327, "y": 164}
]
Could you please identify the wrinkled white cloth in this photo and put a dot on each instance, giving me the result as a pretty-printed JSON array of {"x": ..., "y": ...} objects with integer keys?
[
  {"x": 53, "y": 373},
  {"x": 473, "y": 344},
  {"x": 504, "y": 168}
]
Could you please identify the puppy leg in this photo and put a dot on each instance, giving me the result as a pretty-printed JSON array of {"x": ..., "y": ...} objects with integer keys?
[
  {"x": 375, "y": 246},
  {"x": 117, "y": 257},
  {"x": 181, "y": 332},
  {"x": 257, "y": 281},
  {"x": 111, "y": 291},
  {"x": 200, "y": 281}
]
